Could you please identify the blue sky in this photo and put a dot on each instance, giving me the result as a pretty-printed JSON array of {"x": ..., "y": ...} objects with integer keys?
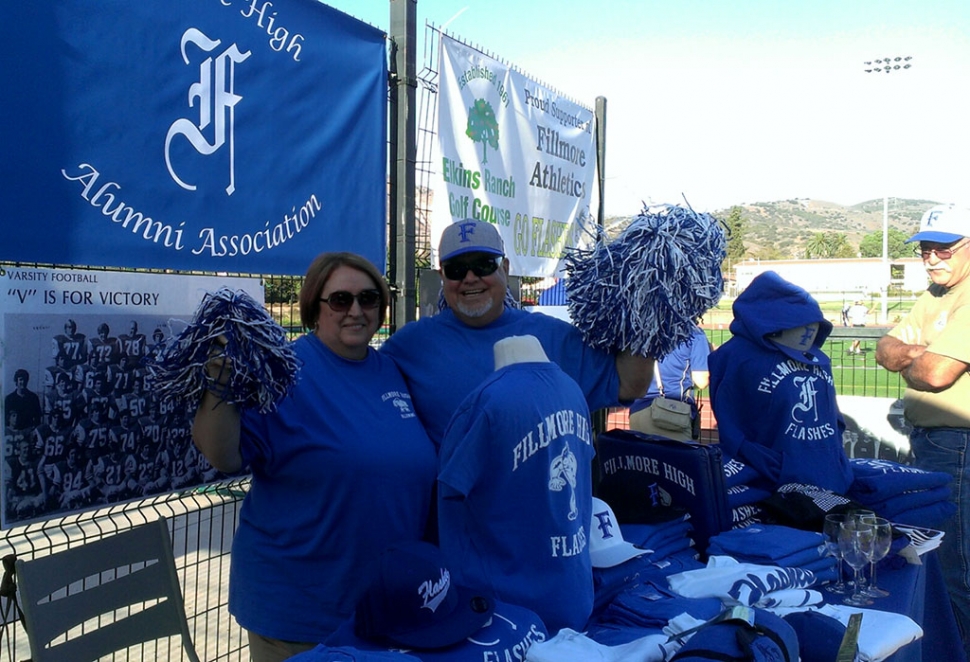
[{"x": 736, "y": 101}]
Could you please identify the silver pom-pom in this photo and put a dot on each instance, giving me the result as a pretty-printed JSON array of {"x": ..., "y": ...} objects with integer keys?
[
  {"x": 234, "y": 325},
  {"x": 644, "y": 290}
]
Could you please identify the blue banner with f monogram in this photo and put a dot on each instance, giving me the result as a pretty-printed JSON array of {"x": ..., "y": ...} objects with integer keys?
[{"x": 240, "y": 136}]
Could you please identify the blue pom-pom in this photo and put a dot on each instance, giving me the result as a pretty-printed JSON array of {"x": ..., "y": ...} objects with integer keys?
[
  {"x": 644, "y": 290},
  {"x": 263, "y": 364}
]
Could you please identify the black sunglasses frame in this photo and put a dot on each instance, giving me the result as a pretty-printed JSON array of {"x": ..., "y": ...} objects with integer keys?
[
  {"x": 481, "y": 268},
  {"x": 367, "y": 299}
]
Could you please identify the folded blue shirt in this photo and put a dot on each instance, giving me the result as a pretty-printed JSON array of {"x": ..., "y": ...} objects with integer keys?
[
  {"x": 737, "y": 472},
  {"x": 799, "y": 559},
  {"x": 652, "y": 605},
  {"x": 929, "y": 516},
  {"x": 906, "y": 501},
  {"x": 876, "y": 480},
  {"x": 742, "y": 495},
  {"x": 610, "y": 582},
  {"x": 766, "y": 543},
  {"x": 744, "y": 516},
  {"x": 671, "y": 548},
  {"x": 651, "y": 536}
]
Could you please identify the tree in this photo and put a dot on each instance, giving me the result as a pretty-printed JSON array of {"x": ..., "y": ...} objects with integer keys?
[
  {"x": 736, "y": 226},
  {"x": 838, "y": 245},
  {"x": 828, "y": 244},
  {"x": 871, "y": 244},
  {"x": 482, "y": 126},
  {"x": 817, "y": 247},
  {"x": 282, "y": 290},
  {"x": 735, "y": 250}
]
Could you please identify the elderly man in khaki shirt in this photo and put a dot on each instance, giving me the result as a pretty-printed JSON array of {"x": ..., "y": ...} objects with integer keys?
[{"x": 930, "y": 348}]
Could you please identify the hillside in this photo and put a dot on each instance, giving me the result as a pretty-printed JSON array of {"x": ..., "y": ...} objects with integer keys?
[{"x": 787, "y": 225}]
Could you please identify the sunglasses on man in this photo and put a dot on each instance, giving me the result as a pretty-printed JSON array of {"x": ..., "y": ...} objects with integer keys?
[
  {"x": 341, "y": 301},
  {"x": 941, "y": 253},
  {"x": 481, "y": 268}
]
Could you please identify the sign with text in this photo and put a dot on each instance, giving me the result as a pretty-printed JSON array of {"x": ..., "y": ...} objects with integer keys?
[
  {"x": 238, "y": 136},
  {"x": 82, "y": 428},
  {"x": 515, "y": 153}
]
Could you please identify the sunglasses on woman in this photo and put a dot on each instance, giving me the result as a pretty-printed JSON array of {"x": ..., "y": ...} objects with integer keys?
[
  {"x": 341, "y": 301},
  {"x": 481, "y": 268}
]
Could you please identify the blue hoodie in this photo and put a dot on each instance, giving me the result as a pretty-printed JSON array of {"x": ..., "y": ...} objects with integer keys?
[{"x": 775, "y": 405}]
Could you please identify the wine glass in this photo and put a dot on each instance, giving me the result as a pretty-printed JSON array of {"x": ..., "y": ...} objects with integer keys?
[
  {"x": 862, "y": 515},
  {"x": 830, "y": 530},
  {"x": 855, "y": 542},
  {"x": 882, "y": 541}
]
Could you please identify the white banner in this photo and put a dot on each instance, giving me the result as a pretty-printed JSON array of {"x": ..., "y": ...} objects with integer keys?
[
  {"x": 82, "y": 428},
  {"x": 514, "y": 153}
]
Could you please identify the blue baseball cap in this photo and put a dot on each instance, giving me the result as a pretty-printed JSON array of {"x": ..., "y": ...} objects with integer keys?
[
  {"x": 469, "y": 236},
  {"x": 413, "y": 601}
]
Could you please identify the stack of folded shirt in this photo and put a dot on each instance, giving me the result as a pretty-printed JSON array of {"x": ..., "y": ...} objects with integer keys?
[
  {"x": 663, "y": 539},
  {"x": 743, "y": 493},
  {"x": 743, "y": 501},
  {"x": 737, "y": 472},
  {"x": 608, "y": 583},
  {"x": 776, "y": 545},
  {"x": 902, "y": 493},
  {"x": 621, "y": 562},
  {"x": 645, "y": 609},
  {"x": 611, "y": 581}
]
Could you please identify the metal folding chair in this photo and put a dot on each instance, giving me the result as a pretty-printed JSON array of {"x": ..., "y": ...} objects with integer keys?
[{"x": 127, "y": 581}]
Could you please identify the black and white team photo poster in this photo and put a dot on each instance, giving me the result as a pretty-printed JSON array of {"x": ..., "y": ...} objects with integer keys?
[{"x": 82, "y": 428}]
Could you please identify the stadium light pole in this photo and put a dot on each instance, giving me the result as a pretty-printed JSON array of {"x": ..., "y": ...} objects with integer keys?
[
  {"x": 887, "y": 65},
  {"x": 884, "y": 317}
]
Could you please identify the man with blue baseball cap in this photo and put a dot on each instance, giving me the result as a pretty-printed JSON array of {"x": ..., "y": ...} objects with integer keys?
[
  {"x": 444, "y": 357},
  {"x": 929, "y": 348}
]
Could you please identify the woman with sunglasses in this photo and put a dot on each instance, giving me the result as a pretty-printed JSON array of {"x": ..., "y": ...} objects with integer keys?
[{"x": 341, "y": 470}]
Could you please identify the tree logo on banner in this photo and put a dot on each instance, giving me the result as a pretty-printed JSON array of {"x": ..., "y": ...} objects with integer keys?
[{"x": 482, "y": 126}]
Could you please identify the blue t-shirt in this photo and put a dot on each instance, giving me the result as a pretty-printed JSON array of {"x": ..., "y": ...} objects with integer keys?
[
  {"x": 443, "y": 360},
  {"x": 515, "y": 493},
  {"x": 340, "y": 471}
]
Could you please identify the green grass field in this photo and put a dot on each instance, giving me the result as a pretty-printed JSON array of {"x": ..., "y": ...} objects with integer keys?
[{"x": 859, "y": 374}]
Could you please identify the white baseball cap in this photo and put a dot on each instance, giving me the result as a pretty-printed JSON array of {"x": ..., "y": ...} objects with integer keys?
[
  {"x": 943, "y": 224},
  {"x": 607, "y": 547}
]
